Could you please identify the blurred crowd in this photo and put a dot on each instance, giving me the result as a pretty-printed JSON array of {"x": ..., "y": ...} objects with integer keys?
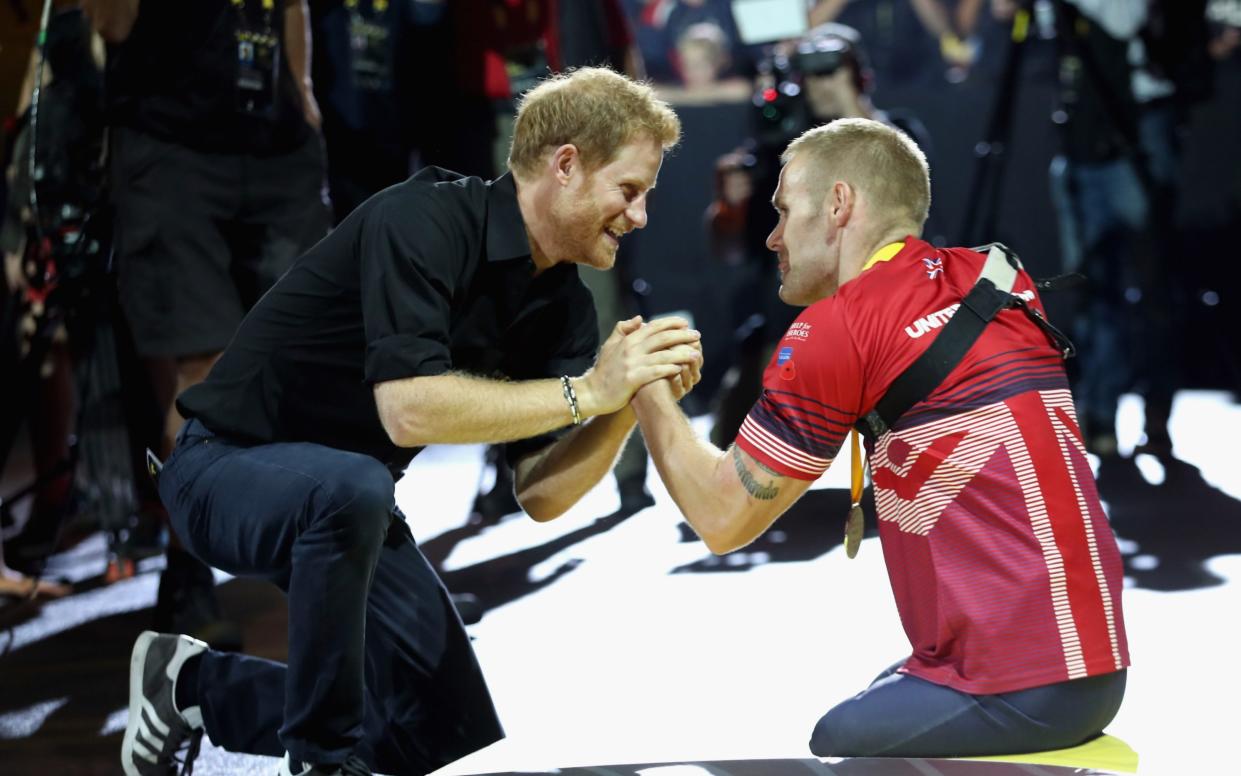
[{"x": 155, "y": 146}]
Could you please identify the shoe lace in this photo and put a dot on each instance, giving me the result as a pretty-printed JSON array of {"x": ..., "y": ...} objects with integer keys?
[{"x": 191, "y": 753}]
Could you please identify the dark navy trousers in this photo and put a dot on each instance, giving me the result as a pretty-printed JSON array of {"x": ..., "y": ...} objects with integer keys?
[
  {"x": 900, "y": 715},
  {"x": 379, "y": 663}
]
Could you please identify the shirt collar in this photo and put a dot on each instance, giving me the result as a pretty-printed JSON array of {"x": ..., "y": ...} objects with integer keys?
[
  {"x": 506, "y": 231},
  {"x": 883, "y": 254}
]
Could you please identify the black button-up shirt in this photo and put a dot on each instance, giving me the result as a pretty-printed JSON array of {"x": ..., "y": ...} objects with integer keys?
[{"x": 428, "y": 276}]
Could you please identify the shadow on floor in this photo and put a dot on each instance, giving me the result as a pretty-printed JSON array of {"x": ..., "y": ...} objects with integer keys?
[{"x": 1177, "y": 525}]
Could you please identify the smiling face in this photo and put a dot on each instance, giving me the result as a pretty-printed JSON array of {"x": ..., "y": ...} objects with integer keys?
[
  {"x": 802, "y": 239},
  {"x": 595, "y": 208}
]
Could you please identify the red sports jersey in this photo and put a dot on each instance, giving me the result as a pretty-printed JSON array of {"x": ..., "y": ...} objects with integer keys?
[{"x": 1005, "y": 570}]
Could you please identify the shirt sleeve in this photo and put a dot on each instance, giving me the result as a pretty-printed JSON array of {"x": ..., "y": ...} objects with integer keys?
[
  {"x": 576, "y": 344},
  {"x": 812, "y": 393},
  {"x": 412, "y": 263}
]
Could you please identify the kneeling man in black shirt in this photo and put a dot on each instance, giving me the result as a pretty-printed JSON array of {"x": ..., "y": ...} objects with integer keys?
[{"x": 443, "y": 310}]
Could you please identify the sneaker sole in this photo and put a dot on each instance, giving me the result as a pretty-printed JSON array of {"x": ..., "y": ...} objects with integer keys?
[{"x": 137, "y": 661}]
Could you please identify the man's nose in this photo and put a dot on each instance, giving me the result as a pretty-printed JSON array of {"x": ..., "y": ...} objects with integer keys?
[
  {"x": 636, "y": 212},
  {"x": 773, "y": 240}
]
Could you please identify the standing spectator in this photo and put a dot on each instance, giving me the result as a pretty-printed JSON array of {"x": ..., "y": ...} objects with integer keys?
[
  {"x": 1128, "y": 70},
  {"x": 217, "y": 175},
  {"x": 1172, "y": 72},
  {"x": 366, "y": 83}
]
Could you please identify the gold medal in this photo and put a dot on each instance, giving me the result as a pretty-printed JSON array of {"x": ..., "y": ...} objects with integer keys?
[{"x": 855, "y": 524}]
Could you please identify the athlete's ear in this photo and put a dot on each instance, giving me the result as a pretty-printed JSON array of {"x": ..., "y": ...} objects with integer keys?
[{"x": 841, "y": 198}]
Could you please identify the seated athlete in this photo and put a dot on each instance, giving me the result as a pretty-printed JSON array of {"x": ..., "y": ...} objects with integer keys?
[{"x": 1005, "y": 571}]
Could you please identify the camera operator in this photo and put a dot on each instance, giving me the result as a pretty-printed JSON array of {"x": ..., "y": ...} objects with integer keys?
[
  {"x": 216, "y": 173},
  {"x": 811, "y": 81}
]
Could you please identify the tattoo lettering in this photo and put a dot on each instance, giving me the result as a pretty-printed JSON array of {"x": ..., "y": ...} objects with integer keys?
[{"x": 754, "y": 487}]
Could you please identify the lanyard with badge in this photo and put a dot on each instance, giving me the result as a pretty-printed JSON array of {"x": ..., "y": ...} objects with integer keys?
[
  {"x": 258, "y": 60},
  {"x": 370, "y": 45}
]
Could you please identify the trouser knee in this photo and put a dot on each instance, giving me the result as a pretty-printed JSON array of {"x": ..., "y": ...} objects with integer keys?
[{"x": 358, "y": 508}]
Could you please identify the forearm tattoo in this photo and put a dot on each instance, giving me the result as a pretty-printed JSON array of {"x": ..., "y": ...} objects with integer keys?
[{"x": 754, "y": 487}]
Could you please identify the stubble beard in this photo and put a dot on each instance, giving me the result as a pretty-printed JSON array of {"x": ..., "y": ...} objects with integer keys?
[{"x": 582, "y": 225}]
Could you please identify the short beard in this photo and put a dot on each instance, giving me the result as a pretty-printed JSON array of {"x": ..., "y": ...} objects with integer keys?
[{"x": 577, "y": 226}]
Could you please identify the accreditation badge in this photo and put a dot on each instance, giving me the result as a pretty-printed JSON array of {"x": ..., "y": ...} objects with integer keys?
[
  {"x": 370, "y": 44},
  {"x": 258, "y": 60}
]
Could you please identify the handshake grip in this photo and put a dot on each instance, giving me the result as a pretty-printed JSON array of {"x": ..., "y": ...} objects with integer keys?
[{"x": 637, "y": 354}]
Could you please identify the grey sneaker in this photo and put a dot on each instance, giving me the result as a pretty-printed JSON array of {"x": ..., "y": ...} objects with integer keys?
[
  {"x": 156, "y": 729},
  {"x": 351, "y": 767}
]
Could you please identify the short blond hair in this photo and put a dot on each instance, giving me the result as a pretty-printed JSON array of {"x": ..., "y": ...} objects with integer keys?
[
  {"x": 593, "y": 108},
  {"x": 880, "y": 161}
]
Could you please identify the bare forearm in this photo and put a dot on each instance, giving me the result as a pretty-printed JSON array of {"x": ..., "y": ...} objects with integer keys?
[
  {"x": 462, "y": 409},
  {"x": 297, "y": 48},
  {"x": 297, "y": 40},
  {"x": 558, "y": 477},
  {"x": 458, "y": 408},
  {"x": 694, "y": 471},
  {"x": 112, "y": 19}
]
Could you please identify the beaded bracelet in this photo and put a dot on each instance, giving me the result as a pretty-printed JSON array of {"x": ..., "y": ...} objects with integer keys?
[{"x": 571, "y": 397}]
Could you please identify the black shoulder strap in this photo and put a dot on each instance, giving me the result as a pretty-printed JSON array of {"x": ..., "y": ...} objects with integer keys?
[{"x": 990, "y": 294}]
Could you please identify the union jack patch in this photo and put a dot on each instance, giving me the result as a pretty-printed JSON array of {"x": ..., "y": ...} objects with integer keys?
[{"x": 933, "y": 267}]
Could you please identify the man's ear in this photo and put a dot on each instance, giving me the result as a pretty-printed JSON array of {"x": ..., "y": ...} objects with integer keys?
[
  {"x": 841, "y": 199},
  {"x": 566, "y": 160}
]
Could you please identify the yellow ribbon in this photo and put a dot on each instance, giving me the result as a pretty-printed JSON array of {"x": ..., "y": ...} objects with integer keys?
[{"x": 855, "y": 524}]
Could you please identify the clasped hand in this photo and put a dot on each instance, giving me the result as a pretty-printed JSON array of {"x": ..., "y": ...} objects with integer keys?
[{"x": 638, "y": 353}]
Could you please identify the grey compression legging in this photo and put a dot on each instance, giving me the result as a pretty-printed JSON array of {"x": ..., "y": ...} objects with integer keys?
[{"x": 903, "y": 716}]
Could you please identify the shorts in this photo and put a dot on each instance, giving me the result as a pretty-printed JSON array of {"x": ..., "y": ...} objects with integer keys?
[{"x": 201, "y": 236}]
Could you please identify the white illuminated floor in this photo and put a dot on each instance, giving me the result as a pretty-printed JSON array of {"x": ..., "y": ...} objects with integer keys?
[
  {"x": 622, "y": 661},
  {"x": 611, "y": 657}
]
